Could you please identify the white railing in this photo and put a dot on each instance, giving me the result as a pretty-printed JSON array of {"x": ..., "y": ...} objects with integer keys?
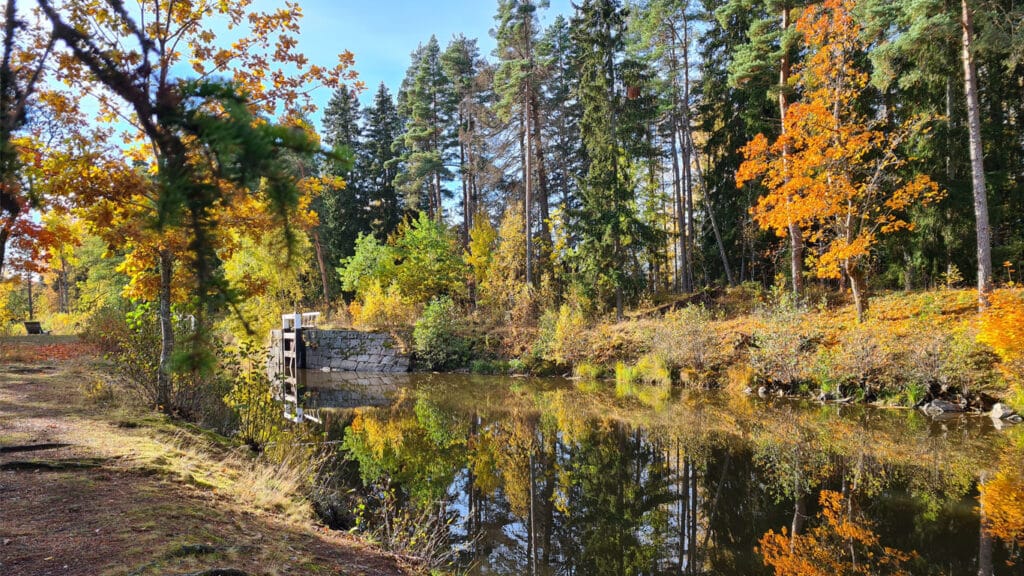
[{"x": 296, "y": 321}]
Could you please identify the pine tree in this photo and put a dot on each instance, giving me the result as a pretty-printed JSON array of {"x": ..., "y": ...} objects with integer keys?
[
  {"x": 426, "y": 102},
  {"x": 517, "y": 84},
  {"x": 462, "y": 63}
]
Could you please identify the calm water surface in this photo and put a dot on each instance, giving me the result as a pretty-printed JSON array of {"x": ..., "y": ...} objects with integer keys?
[{"x": 540, "y": 477}]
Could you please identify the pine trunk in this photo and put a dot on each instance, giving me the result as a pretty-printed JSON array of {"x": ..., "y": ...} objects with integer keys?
[
  {"x": 984, "y": 232},
  {"x": 321, "y": 266},
  {"x": 543, "y": 194}
]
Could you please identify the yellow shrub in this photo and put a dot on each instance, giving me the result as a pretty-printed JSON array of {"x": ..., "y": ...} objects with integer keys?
[
  {"x": 568, "y": 343},
  {"x": 384, "y": 310}
]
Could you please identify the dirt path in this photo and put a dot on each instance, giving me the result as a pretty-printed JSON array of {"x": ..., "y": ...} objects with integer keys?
[{"x": 117, "y": 493}]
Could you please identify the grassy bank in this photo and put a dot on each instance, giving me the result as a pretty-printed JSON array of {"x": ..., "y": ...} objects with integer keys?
[{"x": 912, "y": 347}]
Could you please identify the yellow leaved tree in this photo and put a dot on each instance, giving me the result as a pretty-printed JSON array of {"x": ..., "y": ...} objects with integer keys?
[{"x": 202, "y": 152}]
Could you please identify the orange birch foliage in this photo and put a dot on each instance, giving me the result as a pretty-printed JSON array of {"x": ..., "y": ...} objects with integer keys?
[
  {"x": 840, "y": 544},
  {"x": 834, "y": 172}
]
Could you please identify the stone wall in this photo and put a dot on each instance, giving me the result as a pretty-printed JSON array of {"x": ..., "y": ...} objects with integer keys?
[{"x": 345, "y": 351}]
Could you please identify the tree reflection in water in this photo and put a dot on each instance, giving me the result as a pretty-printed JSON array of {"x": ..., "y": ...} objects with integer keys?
[{"x": 536, "y": 477}]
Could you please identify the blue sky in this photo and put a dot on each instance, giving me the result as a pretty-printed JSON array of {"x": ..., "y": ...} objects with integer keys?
[{"x": 382, "y": 33}]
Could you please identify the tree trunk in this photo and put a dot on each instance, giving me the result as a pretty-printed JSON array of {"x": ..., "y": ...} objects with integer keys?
[
  {"x": 31, "y": 302},
  {"x": 528, "y": 191},
  {"x": 688, "y": 151},
  {"x": 796, "y": 243},
  {"x": 799, "y": 517},
  {"x": 985, "y": 567},
  {"x": 163, "y": 378},
  {"x": 4, "y": 237},
  {"x": 984, "y": 233},
  {"x": 323, "y": 269},
  {"x": 858, "y": 287},
  {"x": 687, "y": 215},
  {"x": 681, "y": 255},
  {"x": 709, "y": 208},
  {"x": 543, "y": 188}
]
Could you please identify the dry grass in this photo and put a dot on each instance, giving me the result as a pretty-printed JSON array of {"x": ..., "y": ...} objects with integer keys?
[{"x": 908, "y": 339}]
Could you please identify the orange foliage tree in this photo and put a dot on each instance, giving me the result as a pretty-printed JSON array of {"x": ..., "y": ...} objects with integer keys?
[
  {"x": 834, "y": 172},
  {"x": 840, "y": 544}
]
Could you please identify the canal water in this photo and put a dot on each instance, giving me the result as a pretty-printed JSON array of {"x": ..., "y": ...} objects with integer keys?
[{"x": 497, "y": 475}]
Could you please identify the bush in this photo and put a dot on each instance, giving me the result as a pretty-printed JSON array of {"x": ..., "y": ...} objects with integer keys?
[
  {"x": 687, "y": 340},
  {"x": 251, "y": 395},
  {"x": 372, "y": 262},
  {"x": 480, "y": 366},
  {"x": 781, "y": 353},
  {"x": 386, "y": 310},
  {"x": 568, "y": 344},
  {"x": 104, "y": 329},
  {"x": 1002, "y": 328},
  {"x": 626, "y": 378},
  {"x": 588, "y": 371},
  {"x": 428, "y": 260},
  {"x": 136, "y": 353},
  {"x": 436, "y": 336},
  {"x": 653, "y": 369}
]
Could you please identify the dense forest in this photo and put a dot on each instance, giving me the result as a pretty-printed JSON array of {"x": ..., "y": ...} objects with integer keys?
[
  {"x": 642, "y": 199},
  {"x": 620, "y": 157}
]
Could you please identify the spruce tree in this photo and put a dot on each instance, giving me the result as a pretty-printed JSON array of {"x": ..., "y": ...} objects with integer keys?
[
  {"x": 562, "y": 111},
  {"x": 377, "y": 163},
  {"x": 769, "y": 53},
  {"x": 341, "y": 211},
  {"x": 608, "y": 221}
]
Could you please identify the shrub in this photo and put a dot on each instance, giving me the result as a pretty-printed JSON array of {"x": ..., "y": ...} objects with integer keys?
[
  {"x": 436, "y": 336},
  {"x": 588, "y": 371},
  {"x": 428, "y": 260},
  {"x": 372, "y": 262},
  {"x": 687, "y": 340},
  {"x": 480, "y": 366},
  {"x": 386, "y": 310},
  {"x": 653, "y": 369},
  {"x": 626, "y": 378},
  {"x": 862, "y": 360},
  {"x": 136, "y": 354},
  {"x": 251, "y": 395},
  {"x": 567, "y": 342},
  {"x": 781, "y": 352},
  {"x": 104, "y": 329},
  {"x": 1002, "y": 328}
]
